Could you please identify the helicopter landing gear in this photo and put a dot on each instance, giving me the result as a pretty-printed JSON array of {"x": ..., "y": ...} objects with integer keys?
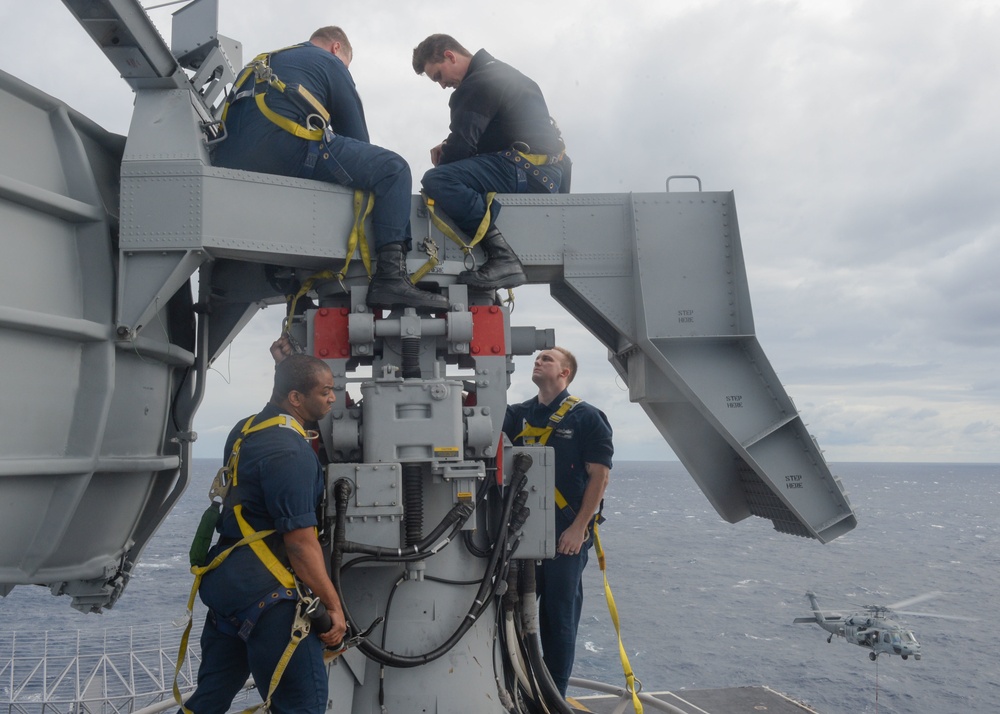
[
  {"x": 905, "y": 656},
  {"x": 872, "y": 656},
  {"x": 830, "y": 638}
]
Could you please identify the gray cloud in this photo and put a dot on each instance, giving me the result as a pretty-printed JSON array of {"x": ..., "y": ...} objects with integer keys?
[{"x": 859, "y": 137}]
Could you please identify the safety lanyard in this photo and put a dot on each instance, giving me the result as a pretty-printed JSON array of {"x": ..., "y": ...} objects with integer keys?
[{"x": 633, "y": 685}]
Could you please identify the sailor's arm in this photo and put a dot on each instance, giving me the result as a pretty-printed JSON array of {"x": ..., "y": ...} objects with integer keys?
[
  {"x": 571, "y": 540},
  {"x": 305, "y": 555}
]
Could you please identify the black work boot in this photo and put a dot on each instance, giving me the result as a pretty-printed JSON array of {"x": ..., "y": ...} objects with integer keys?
[
  {"x": 502, "y": 269},
  {"x": 391, "y": 287}
]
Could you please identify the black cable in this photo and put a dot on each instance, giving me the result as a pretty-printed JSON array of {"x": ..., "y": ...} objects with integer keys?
[
  {"x": 468, "y": 537},
  {"x": 549, "y": 693},
  {"x": 487, "y": 587},
  {"x": 385, "y": 623},
  {"x": 457, "y": 516}
]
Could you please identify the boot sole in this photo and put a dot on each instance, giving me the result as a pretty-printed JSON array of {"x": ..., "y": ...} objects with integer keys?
[{"x": 511, "y": 282}]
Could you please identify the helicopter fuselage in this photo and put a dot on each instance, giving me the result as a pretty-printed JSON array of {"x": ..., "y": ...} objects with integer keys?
[{"x": 871, "y": 630}]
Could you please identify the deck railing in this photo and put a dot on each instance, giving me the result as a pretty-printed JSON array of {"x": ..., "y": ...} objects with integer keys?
[{"x": 111, "y": 671}]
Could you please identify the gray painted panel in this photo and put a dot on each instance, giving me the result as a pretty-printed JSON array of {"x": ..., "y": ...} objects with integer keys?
[{"x": 72, "y": 505}]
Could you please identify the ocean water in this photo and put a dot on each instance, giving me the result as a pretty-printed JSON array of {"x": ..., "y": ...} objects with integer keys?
[
  {"x": 707, "y": 604},
  {"x": 704, "y": 603}
]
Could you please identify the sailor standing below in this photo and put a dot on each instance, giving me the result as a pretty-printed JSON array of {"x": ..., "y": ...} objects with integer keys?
[
  {"x": 296, "y": 112},
  {"x": 277, "y": 485},
  {"x": 501, "y": 139},
  {"x": 581, "y": 437}
]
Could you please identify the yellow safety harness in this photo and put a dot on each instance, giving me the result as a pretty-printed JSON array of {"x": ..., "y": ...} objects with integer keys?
[
  {"x": 531, "y": 435},
  {"x": 224, "y": 480},
  {"x": 540, "y": 435},
  {"x": 317, "y": 117}
]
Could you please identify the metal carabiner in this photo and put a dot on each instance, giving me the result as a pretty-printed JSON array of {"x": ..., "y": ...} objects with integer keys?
[
  {"x": 296, "y": 346},
  {"x": 355, "y": 640},
  {"x": 430, "y": 247},
  {"x": 262, "y": 71}
]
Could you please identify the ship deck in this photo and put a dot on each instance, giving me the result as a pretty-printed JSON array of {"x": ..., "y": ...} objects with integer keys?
[{"x": 733, "y": 700}]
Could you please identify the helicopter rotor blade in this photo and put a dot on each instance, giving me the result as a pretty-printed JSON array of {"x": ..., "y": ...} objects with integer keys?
[
  {"x": 934, "y": 614},
  {"x": 914, "y": 600}
]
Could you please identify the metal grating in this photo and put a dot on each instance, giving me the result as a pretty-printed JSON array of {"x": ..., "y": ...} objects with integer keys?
[{"x": 765, "y": 504}]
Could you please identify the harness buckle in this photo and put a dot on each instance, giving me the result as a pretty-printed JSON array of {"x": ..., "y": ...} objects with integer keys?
[
  {"x": 430, "y": 247},
  {"x": 262, "y": 71},
  {"x": 469, "y": 261}
]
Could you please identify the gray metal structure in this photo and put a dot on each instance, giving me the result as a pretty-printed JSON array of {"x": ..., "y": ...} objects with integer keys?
[{"x": 106, "y": 350}]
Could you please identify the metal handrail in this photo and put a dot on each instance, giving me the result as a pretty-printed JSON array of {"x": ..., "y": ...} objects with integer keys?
[
  {"x": 624, "y": 696},
  {"x": 119, "y": 668}
]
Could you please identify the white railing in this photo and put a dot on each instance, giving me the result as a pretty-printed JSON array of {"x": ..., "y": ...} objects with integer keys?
[{"x": 103, "y": 672}]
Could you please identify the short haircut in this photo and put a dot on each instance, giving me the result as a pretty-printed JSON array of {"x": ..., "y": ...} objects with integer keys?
[
  {"x": 432, "y": 50},
  {"x": 568, "y": 360},
  {"x": 297, "y": 373},
  {"x": 332, "y": 33}
]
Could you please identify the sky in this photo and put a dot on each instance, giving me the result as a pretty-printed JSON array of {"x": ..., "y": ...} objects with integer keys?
[{"x": 860, "y": 139}]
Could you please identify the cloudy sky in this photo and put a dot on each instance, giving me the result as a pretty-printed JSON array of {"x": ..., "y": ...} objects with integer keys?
[{"x": 861, "y": 140}]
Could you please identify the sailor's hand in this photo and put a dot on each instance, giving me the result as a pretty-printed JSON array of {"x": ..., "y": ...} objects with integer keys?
[
  {"x": 281, "y": 348},
  {"x": 436, "y": 153},
  {"x": 333, "y": 636},
  {"x": 572, "y": 539}
]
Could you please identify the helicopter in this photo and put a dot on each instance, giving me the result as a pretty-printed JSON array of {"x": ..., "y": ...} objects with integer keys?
[{"x": 872, "y": 627}]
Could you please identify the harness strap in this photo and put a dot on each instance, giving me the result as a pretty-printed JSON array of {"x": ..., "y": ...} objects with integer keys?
[
  {"x": 357, "y": 241},
  {"x": 242, "y": 623},
  {"x": 530, "y": 163},
  {"x": 281, "y": 573},
  {"x": 292, "y": 127},
  {"x": 199, "y": 573},
  {"x": 540, "y": 435},
  {"x": 300, "y": 630},
  {"x": 484, "y": 224},
  {"x": 304, "y": 100},
  {"x": 633, "y": 685}
]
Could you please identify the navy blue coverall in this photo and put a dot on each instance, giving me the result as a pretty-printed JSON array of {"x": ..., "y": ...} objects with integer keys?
[
  {"x": 280, "y": 485},
  {"x": 583, "y": 436},
  {"x": 255, "y": 143}
]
